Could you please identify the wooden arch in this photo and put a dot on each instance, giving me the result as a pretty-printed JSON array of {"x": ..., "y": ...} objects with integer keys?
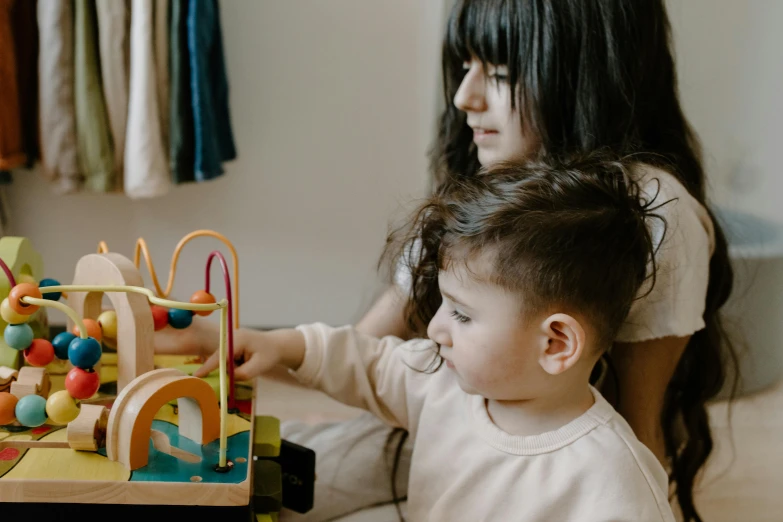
[{"x": 135, "y": 327}]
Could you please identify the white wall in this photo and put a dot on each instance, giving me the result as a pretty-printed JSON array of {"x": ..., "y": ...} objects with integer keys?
[
  {"x": 332, "y": 106},
  {"x": 731, "y": 78}
]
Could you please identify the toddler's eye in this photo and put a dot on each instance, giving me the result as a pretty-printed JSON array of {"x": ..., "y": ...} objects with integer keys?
[{"x": 459, "y": 317}]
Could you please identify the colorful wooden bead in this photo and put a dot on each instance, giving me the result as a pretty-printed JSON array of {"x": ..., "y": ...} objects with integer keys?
[
  {"x": 160, "y": 316},
  {"x": 10, "y": 316},
  {"x": 202, "y": 297},
  {"x": 31, "y": 411},
  {"x": 61, "y": 342},
  {"x": 93, "y": 329},
  {"x": 39, "y": 353},
  {"x": 82, "y": 384},
  {"x": 61, "y": 407},
  {"x": 7, "y": 408},
  {"x": 180, "y": 318},
  {"x": 26, "y": 278},
  {"x": 23, "y": 290},
  {"x": 84, "y": 353},
  {"x": 18, "y": 336},
  {"x": 52, "y": 296},
  {"x": 108, "y": 323}
]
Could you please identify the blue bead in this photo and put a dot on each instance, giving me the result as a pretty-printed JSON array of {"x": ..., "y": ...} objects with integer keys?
[
  {"x": 30, "y": 411},
  {"x": 52, "y": 296},
  {"x": 180, "y": 318},
  {"x": 18, "y": 336},
  {"x": 60, "y": 343},
  {"x": 84, "y": 353}
]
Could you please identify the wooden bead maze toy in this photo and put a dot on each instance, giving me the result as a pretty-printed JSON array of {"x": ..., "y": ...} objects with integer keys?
[{"x": 167, "y": 438}]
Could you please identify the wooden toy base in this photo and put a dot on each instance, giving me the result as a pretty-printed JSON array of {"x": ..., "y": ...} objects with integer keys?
[
  {"x": 71, "y": 512},
  {"x": 62, "y": 475},
  {"x": 41, "y": 474}
]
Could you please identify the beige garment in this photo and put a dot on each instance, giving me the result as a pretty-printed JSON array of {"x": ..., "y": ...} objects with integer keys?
[
  {"x": 162, "y": 66},
  {"x": 146, "y": 163},
  {"x": 114, "y": 46},
  {"x": 466, "y": 468},
  {"x": 56, "y": 95}
]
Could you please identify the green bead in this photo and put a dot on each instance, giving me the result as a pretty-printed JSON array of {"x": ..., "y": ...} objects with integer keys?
[
  {"x": 18, "y": 336},
  {"x": 31, "y": 411}
]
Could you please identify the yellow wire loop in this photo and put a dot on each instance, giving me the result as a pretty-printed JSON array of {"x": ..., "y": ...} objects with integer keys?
[{"x": 141, "y": 249}]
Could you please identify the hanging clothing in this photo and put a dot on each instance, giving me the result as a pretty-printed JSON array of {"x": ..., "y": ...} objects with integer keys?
[
  {"x": 181, "y": 139},
  {"x": 214, "y": 142},
  {"x": 96, "y": 155},
  {"x": 56, "y": 94},
  {"x": 161, "y": 42},
  {"x": 12, "y": 153},
  {"x": 146, "y": 163},
  {"x": 114, "y": 48},
  {"x": 26, "y": 47}
]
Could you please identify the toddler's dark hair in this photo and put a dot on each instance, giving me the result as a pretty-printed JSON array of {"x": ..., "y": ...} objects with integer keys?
[{"x": 571, "y": 236}]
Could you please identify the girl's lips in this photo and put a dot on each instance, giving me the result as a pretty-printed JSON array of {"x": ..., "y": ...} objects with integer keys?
[{"x": 481, "y": 135}]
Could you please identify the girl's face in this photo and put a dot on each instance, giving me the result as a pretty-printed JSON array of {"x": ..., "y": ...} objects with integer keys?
[{"x": 485, "y": 97}]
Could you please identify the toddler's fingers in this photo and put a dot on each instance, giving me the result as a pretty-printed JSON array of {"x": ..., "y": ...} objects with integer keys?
[
  {"x": 209, "y": 365},
  {"x": 251, "y": 369}
]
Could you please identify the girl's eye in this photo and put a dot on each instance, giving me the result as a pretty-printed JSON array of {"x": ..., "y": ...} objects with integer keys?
[
  {"x": 459, "y": 317},
  {"x": 498, "y": 74}
]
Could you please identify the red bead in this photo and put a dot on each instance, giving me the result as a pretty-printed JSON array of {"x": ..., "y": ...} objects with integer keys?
[
  {"x": 82, "y": 384},
  {"x": 160, "y": 316},
  {"x": 93, "y": 329},
  {"x": 39, "y": 353},
  {"x": 18, "y": 292},
  {"x": 202, "y": 297},
  {"x": 7, "y": 408}
]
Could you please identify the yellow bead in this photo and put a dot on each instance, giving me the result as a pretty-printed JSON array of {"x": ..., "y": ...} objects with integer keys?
[
  {"x": 26, "y": 278},
  {"x": 108, "y": 322},
  {"x": 61, "y": 408},
  {"x": 10, "y": 316}
]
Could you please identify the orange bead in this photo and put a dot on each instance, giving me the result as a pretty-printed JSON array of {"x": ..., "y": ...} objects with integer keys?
[
  {"x": 7, "y": 408},
  {"x": 160, "y": 316},
  {"x": 18, "y": 292},
  {"x": 202, "y": 297},
  {"x": 40, "y": 353},
  {"x": 93, "y": 329}
]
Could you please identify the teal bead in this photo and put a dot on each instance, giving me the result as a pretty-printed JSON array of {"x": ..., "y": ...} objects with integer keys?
[
  {"x": 31, "y": 411},
  {"x": 84, "y": 353},
  {"x": 180, "y": 318},
  {"x": 52, "y": 296},
  {"x": 18, "y": 336},
  {"x": 61, "y": 342}
]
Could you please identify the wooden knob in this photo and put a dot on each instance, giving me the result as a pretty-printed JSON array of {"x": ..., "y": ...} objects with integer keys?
[{"x": 88, "y": 431}]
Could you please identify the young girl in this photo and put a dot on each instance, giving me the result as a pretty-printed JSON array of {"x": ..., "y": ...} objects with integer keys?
[
  {"x": 529, "y": 78},
  {"x": 510, "y": 428}
]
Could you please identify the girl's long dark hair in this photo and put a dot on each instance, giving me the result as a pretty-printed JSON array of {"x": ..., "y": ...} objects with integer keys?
[{"x": 595, "y": 74}]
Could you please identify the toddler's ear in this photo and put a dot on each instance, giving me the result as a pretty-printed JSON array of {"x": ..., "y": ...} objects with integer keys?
[{"x": 565, "y": 343}]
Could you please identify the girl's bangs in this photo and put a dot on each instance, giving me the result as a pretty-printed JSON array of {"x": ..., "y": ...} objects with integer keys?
[{"x": 479, "y": 30}]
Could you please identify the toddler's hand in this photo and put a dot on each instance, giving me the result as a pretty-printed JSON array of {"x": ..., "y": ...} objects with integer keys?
[
  {"x": 260, "y": 353},
  {"x": 201, "y": 338}
]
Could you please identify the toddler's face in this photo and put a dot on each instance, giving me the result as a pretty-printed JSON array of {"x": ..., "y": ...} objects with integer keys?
[{"x": 484, "y": 337}]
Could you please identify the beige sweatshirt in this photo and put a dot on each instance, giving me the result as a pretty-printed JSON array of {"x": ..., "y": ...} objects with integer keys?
[{"x": 466, "y": 468}]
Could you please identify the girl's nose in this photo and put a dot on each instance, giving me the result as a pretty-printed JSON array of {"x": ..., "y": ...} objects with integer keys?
[{"x": 470, "y": 95}]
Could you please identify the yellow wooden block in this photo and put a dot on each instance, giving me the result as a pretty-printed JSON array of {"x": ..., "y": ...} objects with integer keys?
[{"x": 266, "y": 436}]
